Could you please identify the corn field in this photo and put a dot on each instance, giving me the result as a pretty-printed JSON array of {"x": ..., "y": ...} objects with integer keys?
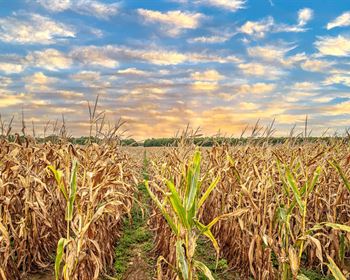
[
  {"x": 33, "y": 206},
  {"x": 297, "y": 197},
  {"x": 271, "y": 211}
]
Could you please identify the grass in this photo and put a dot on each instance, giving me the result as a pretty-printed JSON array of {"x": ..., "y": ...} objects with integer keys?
[
  {"x": 206, "y": 254},
  {"x": 136, "y": 239}
]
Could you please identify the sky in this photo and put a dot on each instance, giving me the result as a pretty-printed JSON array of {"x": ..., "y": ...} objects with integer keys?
[{"x": 160, "y": 65}]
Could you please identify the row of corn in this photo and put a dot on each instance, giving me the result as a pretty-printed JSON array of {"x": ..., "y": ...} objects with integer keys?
[
  {"x": 62, "y": 205},
  {"x": 271, "y": 211}
]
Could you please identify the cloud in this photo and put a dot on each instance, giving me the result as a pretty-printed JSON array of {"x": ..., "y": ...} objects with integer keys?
[
  {"x": 334, "y": 46},
  {"x": 210, "y": 39},
  {"x": 337, "y": 109},
  {"x": 50, "y": 59},
  {"x": 340, "y": 21},
  {"x": 85, "y": 76},
  {"x": 261, "y": 70},
  {"x": 38, "y": 82},
  {"x": 172, "y": 22},
  {"x": 231, "y": 5},
  {"x": 257, "y": 28},
  {"x": 33, "y": 29},
  {"x": 207, "y": 80},
  {"x": 276, "y": 53},
  {"x": 304, "y": 16},
  {"x": 5, "y": 82},
  {"x": 10, "y": 68},
  {"x": 11, "y": 63},
  {"x": 109, "y": 56},
  {"x": 10, "y": 99},
  {"x": 338, "y": 79},
  {"x": 92, "y": 80},
  {"x": 92, "y": 55},
  {"x": 266, "y": 25},
  {"x": 209, "y": 75},
  {"x": 258, "y": 88},
  {"x": 132, "y": 72},
  {"x": 86, "y": 7},
  {"x": 55, "y": 5},
  {"x": 269, "y": 52},
  {"x": 302, "y": 86},
  {"x": 316, "y": 65}
]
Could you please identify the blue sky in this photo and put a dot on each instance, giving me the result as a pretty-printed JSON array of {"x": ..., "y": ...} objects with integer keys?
[{"x": 217, "y": 64}]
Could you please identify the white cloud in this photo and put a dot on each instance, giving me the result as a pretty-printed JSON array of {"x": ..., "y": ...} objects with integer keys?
[
  {"x": 11, "y": 63},
  {"x": 260, "y": 28},
  {"x": 335, "y": 46},
  {"x": 55, "y": 5},
  {"x": 209, "y": 75},
  {"x": 38, "y": 82},
  {"x": 304, "y": 16},
  {"x": 33, "y": 29},
  {"x": 209, "y": 40},
  {"x": 304, "y": 86},
  {"x": 276, "y": 54},
  {"x": 87, "y": 7},
  {"x": 207, "y": 80},
  {"x": 133, "y": 72},
  {"x": 257, "y": 28},
  {"x": 50, "y": 59},
  {"x": 316, "y": 65},
  {"x": 10, "y": 68},
  {"x": 261, "y": 70},
  {"x": 231, "y": 5},
  {"x": 172, "y": 22},
  {"x": 91, "y": 55},
  {"x": 11, "y": 99},
  {"x": 340, "y": 21},
  {"x": 258, "y": 88},
  {"x": 338, "y": 79}
]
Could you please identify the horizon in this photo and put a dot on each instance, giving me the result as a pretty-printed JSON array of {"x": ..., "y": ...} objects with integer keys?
[{"x": 159, "y": 65}]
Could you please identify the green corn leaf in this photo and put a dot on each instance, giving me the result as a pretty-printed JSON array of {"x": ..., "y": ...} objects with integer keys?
[
  {"x": 58, "y": 177},
  {"x": 59, "y": 255},
  {"x": 161, "y": 207},
  {"x": 208, "y": 191},
  {"x": 72, "y": 191},
  {"x": 314, "y": 179},
  {"x": 342, "y": 248},
  {"x": 181, "y": 259},
  {"x": 341, "y": 173},
  {"x": 205, "y": 270},
  {"x": 194, "y": 181},
  {"x": 176, "y": 204},
  {"x": 207, "y": 232},
  {"x": 302, "y": 277},
  {"x": 293, "y": 186},
  {"x": 336, "y": 272},
  {"x": 337, "y": 226}
]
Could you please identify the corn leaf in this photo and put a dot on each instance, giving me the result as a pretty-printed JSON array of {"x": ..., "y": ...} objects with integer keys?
[
  {"x": 194, "y": 181},
  {"x": 72, "y": 191},
  {"x": 208, "y": 191},
  {"x": 205, "y": 270},
  {"x": 162, "y": 209},
  {"x": 336, "y": 272},
  {"x": 59, "y": 255},
  {"x": 58, "y": 177},
  {"x": 302, "y": 277},
  {"x": 181, "y": 259},
  {"x": 176, "y": 204},
  {"x": 341, "y": 173},
  {"x": 293, "y": 186}
]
